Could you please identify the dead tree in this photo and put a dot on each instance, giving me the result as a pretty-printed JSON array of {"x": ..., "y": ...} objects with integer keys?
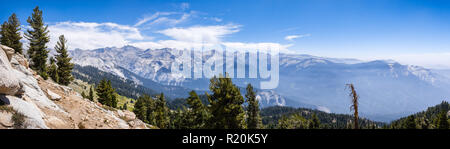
[{"x": 354, "y": 107}]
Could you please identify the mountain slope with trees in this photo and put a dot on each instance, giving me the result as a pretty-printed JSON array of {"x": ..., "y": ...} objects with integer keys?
[{"x": 435, "y": 117}]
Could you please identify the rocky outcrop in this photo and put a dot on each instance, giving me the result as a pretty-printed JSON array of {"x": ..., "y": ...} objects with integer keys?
[
  {"x": 34, "y": 116},
  {"x": 9, "y": 84},
  {"x": 45, "y": 104},
  {"x": 53, "y": 96},
  {"x": 9, "y": 51}
]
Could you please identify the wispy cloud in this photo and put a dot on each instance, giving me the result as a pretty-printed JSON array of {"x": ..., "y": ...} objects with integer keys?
[
  {"x": 164, "y": 18},
  {"x": 89, "y": 35},
  {"x": 152, "y": 17},
  {"x": 292, "y": 37}
]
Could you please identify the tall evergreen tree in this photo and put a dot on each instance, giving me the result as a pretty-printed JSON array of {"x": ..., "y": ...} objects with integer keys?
[
  {"x": 179, "y": 119},
  {"x": 315, "y": 122},
  {"x": 225, "y": 104},
  {"x": 114, "y": 100},
  {"x": 161, "y": 112},
  {"x": 10, "y": 34},
  {"x": 140, "y": 107},
  {"x": 443, "y": 121},
  {"x": 4, "y": 33},
  {"x": 410, "y": 122},
  {"x": 112, "y": 95},
  {"x": 197, "y": 113},
  {"x": 38, "y": 38},
  {"x": 254, "y": 119},
  {"x": 101, "y": 91},
  {"x": 14, "y": 33},
  {"x": 63, "y": 62},
  {"x": 150, "y": 112},
  {"x": 106, "y": 94}
]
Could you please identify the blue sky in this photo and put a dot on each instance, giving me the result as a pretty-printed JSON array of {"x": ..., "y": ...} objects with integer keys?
[{"x": 408, "y": 31}]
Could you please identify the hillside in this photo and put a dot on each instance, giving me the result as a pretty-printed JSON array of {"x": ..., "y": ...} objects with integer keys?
[
  {"x": 81, "y": 86},
  {"x": 427, "y": 119},
  {"x": 132, "y": 88},
  {"x": 29, "y": 101},
  {"x": 272, "y": 115}
]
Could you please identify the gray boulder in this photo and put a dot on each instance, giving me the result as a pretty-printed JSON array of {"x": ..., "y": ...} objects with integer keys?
[
  {"x": 9, "y": 84},
  {"x": 33, "y": 115}
]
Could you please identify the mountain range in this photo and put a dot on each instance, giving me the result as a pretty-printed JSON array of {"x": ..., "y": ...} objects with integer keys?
[{"x": 387, "y": 89}]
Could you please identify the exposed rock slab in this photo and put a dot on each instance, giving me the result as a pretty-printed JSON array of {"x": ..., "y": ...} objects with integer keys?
[{"x": 53, "y": 96}]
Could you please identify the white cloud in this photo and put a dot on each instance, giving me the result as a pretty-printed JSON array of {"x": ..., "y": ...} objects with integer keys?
[
  {"x": 201, "y": 34},
  {"x": 206, "y": 36},
  {"x": 292, "y": 37},
  {"x": 88, "y": 35},
  {"x": 164, "y": 18},
  {"x": 152, "y": 17}
]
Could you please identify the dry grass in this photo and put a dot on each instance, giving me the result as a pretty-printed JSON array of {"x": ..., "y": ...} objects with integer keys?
[{"x": 18, "y": 119}]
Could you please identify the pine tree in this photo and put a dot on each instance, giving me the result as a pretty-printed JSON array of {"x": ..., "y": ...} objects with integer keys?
[
  {"x": 140, "y": 108},
  {"x": 4, "y": 33},
  {"x": 180, "y": 120},
  {"x": 83, "y": 94},
  {"x": 315, "y": 122},
  {"x": 114, "y": 100},
  {"x": 101, "y": 90},
  {"x": 14, "y": 33},
  {"x": 106, "y": 94},
  {"x": 91, "y": 94},
  {"x": 197, "y": 113},
  {"x": 294, "y": 121},
  {"x": 254, "y": 119},
  {"x": 410, "y": 122},
  {"x": 225, "y": 104},
  {"x": 10, "y": 34},
  {"x": 63, "y": 62},
  {"x": 443, "y": 121},
  {"x": 145, "y": 109},
  {"x": 161, "y": 112},
  {"x": 38, "y": 38},
  {"x": 53, "y": 70}
]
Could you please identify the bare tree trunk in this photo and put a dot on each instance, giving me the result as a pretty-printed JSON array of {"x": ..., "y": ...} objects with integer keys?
[{"x": 354, "y": 96}]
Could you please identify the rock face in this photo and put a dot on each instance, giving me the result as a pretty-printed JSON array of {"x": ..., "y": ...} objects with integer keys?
[
  {"x": 53, "y": 96},
  {"x": 43, "y": 104},
  {"x": 9, "y": 84}
]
